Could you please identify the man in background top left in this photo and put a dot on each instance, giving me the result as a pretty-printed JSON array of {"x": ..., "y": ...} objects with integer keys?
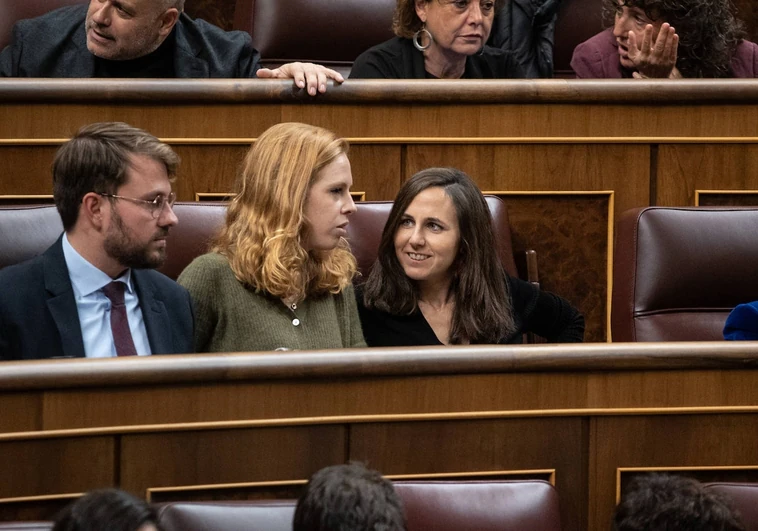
[
  {"x": 94, "y": 293},
  {"x": 141, "y": 39}
]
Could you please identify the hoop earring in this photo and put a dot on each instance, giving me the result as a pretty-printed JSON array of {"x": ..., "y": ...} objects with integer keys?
[{"x": 417, "y": 41}]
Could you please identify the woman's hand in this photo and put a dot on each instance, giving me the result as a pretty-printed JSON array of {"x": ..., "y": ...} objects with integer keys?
[{"x": 655, "y": 59}]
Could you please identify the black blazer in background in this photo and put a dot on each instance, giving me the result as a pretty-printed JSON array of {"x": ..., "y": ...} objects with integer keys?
[
  {"x": 55, "y": 45},
  {"x": 39, "y": 318}
]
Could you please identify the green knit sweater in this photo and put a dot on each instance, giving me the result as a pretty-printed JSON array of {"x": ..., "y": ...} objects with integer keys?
[{"x": 232, "y": 318}]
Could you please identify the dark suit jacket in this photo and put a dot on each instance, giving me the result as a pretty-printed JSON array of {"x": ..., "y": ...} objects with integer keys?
[
  {"x": 55, "y": 45},
  {"x": 39, "y": 318}
]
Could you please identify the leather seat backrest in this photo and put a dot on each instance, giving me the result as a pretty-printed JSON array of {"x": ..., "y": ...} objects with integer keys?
[
  {"x": 11, "y": 11},
  {"x": 577, "y": 21},
  {"x": 525, "y": 505},
  {"x": 320, "y": 31},
  {"x": 26, "y": 232},
  {"x": 274, "y": 515},
  {"x": 743, "y": 497},
  {"x": 199, "y": 223},
  {"x": 367, "y": 223},
  {"x": 678, "y": 272}
]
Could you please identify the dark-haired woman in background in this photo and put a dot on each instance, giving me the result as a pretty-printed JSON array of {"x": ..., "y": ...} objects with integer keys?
[
  {"x": 107, "y": 509},
  {"x": 439, "y": 280},
  {"x": 668, "y": 39},
  {"x": 439, "y": 39}
]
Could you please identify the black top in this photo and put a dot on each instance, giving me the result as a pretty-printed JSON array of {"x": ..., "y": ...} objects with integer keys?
[
  {"x": 534, "y": 310},
  {"x": 397, "y": 58},
  {"x": 158, "y": 64}
]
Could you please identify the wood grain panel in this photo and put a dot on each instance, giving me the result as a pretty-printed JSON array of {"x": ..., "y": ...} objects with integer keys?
[
  {"x": 377, "y": 170},
  {"x": 726, "y": 198},
  {"x": 483, "y": 445},
  {"x": 545, "y": 167},
  {"x": 665, "y": 441},
  {"x": 653, "y": 389},
  {"x": 228, "y": 456},
  {"x": 682, "y": 169},
  {"x": 207, "y": 168},
  {"x": 228, "y": 402},
  {"x": 20, "y": 412},
  {"x": 43, "y": 508},
  {"x": 56, "y": 466},
  {"x": 218, "y": 12},
  {"x": 26, "y": 169},
  {"x": 570, "y": 235}
]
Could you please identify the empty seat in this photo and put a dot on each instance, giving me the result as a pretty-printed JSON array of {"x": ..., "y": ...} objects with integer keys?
[{"x": 678, "y": 272}]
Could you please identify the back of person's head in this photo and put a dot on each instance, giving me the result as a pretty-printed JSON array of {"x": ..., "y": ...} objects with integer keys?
[
  {"x": 107, "y": 510},
  {"x": 96, "y": 159},
  {"x": 265, "y": 221},
  {"x": 349, "y": 498},
  {"x": 662, "y": 502}
]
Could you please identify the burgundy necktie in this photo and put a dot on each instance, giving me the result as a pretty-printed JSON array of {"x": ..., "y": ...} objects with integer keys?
[{"x": 122, "y": 336}]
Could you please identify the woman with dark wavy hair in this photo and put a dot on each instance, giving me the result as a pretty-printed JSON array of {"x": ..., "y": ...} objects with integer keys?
[
  {"x": 668, "y": 39},
  {"x": 438, "y": 278}
]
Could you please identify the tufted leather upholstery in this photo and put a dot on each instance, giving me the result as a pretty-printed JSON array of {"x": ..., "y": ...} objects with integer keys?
[
  {"x": 679, "y": 271},
  {"x": 743, "y": 497},
  {"x": 528, "y": 505},
  {"x": 321, "y": 31},
  {"x": 12, "y": 11}
]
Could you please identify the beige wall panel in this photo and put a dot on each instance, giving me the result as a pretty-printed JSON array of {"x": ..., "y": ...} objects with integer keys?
[
  {"x": 682, "y": 169},
  {"x": 663, "y": 441},
  {"x": 228, "y": 456},
  {"x": 56, "y": 466},
  {"x": 469, "y": 446}
]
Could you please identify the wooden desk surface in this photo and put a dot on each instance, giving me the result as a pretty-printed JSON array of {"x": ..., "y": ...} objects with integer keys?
[{"x": 585, "y": 417}]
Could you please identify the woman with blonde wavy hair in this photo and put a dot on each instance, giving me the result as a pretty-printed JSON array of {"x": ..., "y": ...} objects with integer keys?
[{"x": 279, "y": 275}]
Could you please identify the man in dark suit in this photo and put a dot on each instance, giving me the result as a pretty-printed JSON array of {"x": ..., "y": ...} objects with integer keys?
[
  {"x": 140, "y": 38},
  {"x": 93, "y": 293}
]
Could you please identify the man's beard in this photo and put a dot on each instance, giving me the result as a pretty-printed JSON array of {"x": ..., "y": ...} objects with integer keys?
[{"x": 120, "y": 246}]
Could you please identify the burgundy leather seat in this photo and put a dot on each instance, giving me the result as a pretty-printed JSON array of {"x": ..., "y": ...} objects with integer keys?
[
  {"x": 525, "y": 505},
  {"x": 678, "y": 272},
  {"x": 11, "y": 11},
  {"x": 743, "y": 497},
  {"x": 528, "y": 505},
  {"x": 320, "y": 31},
  {"x": 266, "y": 515},
  {"x": 577, "y": 21},
  {"x": 365, "y": 232},
  {"x": 199, "y": 222}
]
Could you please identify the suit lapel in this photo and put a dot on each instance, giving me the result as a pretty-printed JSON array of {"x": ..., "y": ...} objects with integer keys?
[
  {"x": 61, "y": 302},
  {"x": 157, "y": 322}
]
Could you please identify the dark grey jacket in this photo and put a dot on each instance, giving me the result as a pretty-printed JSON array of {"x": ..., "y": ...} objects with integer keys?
[
  {"x": 55, "y": 45},
  {"x": 526, "y": 28}
]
